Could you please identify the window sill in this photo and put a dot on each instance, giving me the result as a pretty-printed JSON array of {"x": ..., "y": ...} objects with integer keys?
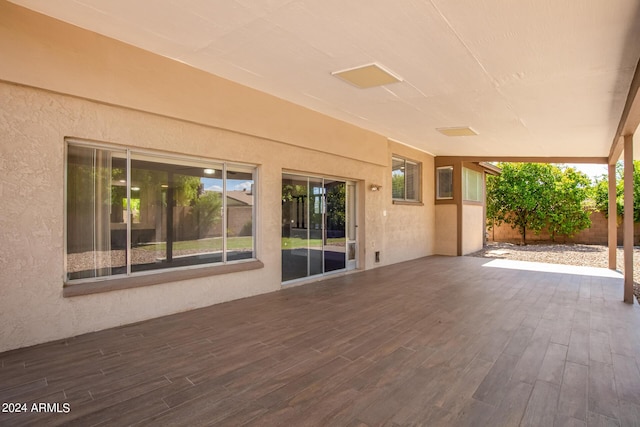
[
  {"x": 108, "y": 285},
  {"x": 407, "y": 203}
]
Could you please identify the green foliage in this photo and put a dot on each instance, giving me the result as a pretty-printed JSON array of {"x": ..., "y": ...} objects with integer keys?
[
  {"x": 397, "y": 185},
  {"x": 187, "y": 190},
  {"x": 532, "y": 196},
  {"x": 567, "y": 215},
  {"x": 292, "y": 191},
  {"x": 336, "y": 202},
  {"x": 207, "y": 209},
  {"x": 520, "y": 195},
  {"x": 600, "y": 194},
  {"x": 601, "y": 191}
]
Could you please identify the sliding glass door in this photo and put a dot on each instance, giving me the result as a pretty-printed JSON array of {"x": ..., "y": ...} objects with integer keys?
[
  {"x": 295, "y": 227},
  {"x": 316, "y": 210},
  {"x": 335, "y": 230},
  {"x": 314, "y": 226}
]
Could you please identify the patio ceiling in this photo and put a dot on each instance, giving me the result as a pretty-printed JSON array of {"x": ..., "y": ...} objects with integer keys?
[{"x": 532, "y": 78}]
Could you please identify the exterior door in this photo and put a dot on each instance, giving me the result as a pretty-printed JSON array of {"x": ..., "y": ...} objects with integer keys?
[
  {"x": 352, "y": 227},
  {"x": 295, "y": 227},
  {"x": 334, "y": 245},
  {"x": 317, "y": 216}
]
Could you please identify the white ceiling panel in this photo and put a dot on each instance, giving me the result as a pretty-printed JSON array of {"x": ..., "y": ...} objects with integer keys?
[{"x": 533, "y": 77}]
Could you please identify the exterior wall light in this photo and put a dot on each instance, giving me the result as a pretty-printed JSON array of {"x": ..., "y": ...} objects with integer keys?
[{"x": 375, "y": 187}]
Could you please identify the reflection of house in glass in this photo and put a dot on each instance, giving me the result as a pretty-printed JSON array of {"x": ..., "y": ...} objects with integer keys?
[
  {"x": 157, "y": 216},
  {"x": 239, "y": 212}
]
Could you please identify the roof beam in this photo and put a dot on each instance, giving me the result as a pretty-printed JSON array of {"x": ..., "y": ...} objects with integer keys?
[
  {"x": 629, "y": 120},
  {"x": 591, "y": 160}
]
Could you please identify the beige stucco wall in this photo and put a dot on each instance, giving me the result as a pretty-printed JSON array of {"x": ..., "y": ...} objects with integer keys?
[
  {"x": 408, "y": 228},
  {"x": 33, "y": 126},
  {"x": 446, "y": 230},
  {"x": 39, "y": 51},
  {"x": 57, "y": 81},
  {"x": 472, "y": 228}
]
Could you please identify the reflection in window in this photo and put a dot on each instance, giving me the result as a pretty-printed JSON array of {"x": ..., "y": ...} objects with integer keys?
[
  {"x": 444, "y": 182},
  {"x": 96, "y": 189},
  {"x": 472, "y": 185},
  {"x": 240, "y": 212},
  {"x": 129, "y": 212},
  {"x": 313, "y": 226},
  {"x": 405, "y": 179}
]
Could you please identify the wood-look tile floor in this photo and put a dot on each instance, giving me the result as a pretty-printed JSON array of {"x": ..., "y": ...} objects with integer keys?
[{"x": 435, "y": 341}]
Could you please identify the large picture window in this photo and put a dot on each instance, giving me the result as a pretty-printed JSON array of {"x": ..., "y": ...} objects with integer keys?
[
  {"x": 130, "y": 211},
  {"x": 405, "y": 179}
]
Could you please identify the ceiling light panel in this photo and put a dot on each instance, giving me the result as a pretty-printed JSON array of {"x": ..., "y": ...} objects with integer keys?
[
  {"x": 457, "y": 131},
  {"x": 367, "y": 76}
]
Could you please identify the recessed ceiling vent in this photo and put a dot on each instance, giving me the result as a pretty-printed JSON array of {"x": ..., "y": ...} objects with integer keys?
[
  {"x": 457, "y": 131},
  {"x": 366, "y": 76}
]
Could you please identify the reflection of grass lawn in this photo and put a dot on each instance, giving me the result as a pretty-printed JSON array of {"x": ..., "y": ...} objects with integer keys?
[
  {"x": 213, "y": 244},
  {"x": 297, "y": 242},
  {"x": 235, "y": 243}
]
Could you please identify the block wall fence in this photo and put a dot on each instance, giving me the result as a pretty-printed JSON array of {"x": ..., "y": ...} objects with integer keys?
[{"x": 595, "y": 235}]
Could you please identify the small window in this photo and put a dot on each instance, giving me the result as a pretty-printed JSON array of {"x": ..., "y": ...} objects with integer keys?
[
  {"x": 471, "y": 185},
  {"x": 444, "y": 182},
  {"x": 405, "y": 179}
]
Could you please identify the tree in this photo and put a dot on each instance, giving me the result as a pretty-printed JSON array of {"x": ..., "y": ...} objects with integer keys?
[
  {"x": 601, "y": 191},
  {"x": 531, "y": 196},
  {"x": 397, "y": 185},
  {"x": 567, "y": 215},
  {"x": 336, "y": 202},
  {"x": 207, "y": 210},
  {"x": 520, "y": 195}
]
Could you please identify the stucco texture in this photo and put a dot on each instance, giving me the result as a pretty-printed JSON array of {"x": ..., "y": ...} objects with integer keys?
[
  {"x": 34, "y": 124},
  {"x": 473, "y": 228},
  {"x": 446, "y": 230},
  {"x": 408, "y": 228},
  {"x": 59, "y": 81}
]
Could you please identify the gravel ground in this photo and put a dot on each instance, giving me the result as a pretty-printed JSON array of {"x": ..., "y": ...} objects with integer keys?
[
  {"x": 568, "y": 254},
  {"x": 116, "y": 258}
]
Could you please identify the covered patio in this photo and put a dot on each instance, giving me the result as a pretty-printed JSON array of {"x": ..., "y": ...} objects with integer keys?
[
  {"x": 433, "y": 341},
  {"x": 247, "y": 98}
]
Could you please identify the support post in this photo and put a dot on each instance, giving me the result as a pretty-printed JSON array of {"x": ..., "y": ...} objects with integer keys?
[
  {"x": 613, "y": 219},
  {"x": 628, "y": 219}
]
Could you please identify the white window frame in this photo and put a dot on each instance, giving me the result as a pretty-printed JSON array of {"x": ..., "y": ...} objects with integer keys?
[
  {"x": 418, "y": 191},
  {"x": 466, "y": 185}
]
